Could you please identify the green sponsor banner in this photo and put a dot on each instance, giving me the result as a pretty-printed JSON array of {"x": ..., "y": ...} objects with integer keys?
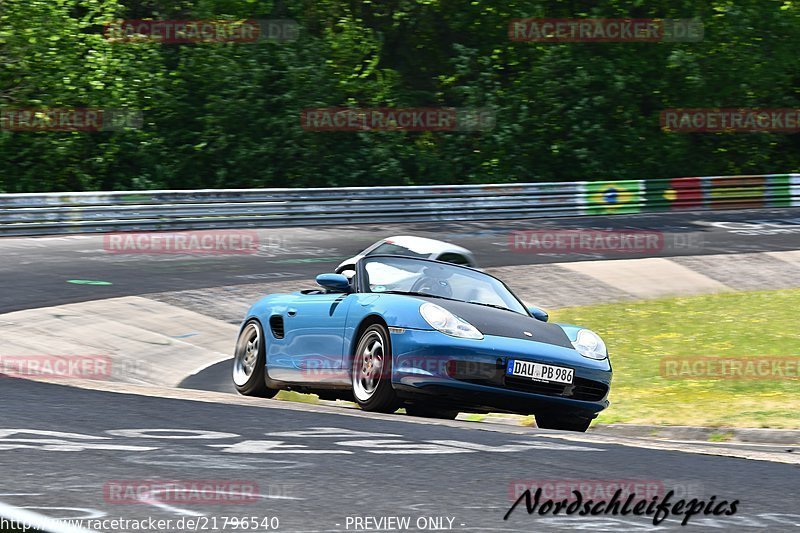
[
  {"x": 779, "y": 190},
  {"x": 613, "y": 197},
  {"x": 727, "y": 192}
]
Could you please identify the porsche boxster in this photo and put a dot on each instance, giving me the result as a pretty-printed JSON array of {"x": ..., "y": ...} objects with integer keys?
[{"x": 434, "y": 337}]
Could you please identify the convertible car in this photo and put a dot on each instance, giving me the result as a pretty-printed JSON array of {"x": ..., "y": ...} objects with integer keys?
[
  {"x": 412, "y": 246},
  {"x": 433, "y": 337}
]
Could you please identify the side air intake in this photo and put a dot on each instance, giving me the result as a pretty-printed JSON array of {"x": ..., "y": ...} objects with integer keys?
[{"x": 276, "y": 325}]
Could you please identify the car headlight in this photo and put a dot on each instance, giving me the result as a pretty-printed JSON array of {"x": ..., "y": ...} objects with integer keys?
[
  {"x": 443, "y": 320},
  {"x": 589, "y": 344}
]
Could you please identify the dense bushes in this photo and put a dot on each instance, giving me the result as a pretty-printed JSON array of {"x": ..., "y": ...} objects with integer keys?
[{"x": 228, "y": 114}]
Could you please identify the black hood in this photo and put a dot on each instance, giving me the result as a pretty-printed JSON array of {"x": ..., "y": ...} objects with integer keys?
[{"x": 502, "y": 323}]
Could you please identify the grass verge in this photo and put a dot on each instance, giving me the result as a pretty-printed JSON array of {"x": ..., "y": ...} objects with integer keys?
[{"x": 743, "y": 324}]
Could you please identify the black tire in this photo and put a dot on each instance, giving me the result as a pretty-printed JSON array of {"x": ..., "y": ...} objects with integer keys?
[
  {"x": 371, "y": 371},
  {"x": 430, "y": 412},
  {"x": 563, "y": 423},
  {"x": 249, "y": 362}
]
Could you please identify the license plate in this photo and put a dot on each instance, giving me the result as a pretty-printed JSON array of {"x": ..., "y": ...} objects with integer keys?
[{"x": 540, "y": 372}]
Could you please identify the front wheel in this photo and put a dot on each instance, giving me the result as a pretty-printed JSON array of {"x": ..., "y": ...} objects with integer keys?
[
  {"x": 564, "y": 423},
  {"x": 372, "y": 372},
  {"x": 249, "y": 362}
]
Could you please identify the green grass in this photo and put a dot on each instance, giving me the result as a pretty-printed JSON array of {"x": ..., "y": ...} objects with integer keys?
[
  {"x": 742, "y": 324},
  {"x": 292, "y": 396},
  {"x": 720, "y": 437}
]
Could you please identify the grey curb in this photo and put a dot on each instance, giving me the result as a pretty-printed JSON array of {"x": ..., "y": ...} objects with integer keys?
[
  {"x": 688, "y": 433},
  {"x": 705, "y": 434}
]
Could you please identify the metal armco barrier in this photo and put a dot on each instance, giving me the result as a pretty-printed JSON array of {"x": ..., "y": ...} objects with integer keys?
[{"x": 92, "y": 212}]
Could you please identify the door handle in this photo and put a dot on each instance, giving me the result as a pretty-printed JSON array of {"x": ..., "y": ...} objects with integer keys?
[{"x": 291, "y": 312}]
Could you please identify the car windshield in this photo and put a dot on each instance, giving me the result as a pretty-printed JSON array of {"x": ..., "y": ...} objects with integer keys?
[
  {"x": 390, "y": 248},
  {"x": 407, "y": 275}
]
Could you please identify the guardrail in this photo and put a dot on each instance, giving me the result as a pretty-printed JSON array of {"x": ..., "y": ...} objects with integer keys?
[{"x": 91, "y": 212}]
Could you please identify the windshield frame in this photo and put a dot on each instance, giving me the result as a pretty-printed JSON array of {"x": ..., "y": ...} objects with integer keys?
[{"x": 363, "y": 286}]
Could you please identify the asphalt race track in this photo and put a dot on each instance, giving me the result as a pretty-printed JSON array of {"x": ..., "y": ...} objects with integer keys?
[
  {"x": 34, "y": 272},
  {"x": 313, "y": 479},
  {"x": 216, "y": 377},
  {"x": 66, "y": 451}
]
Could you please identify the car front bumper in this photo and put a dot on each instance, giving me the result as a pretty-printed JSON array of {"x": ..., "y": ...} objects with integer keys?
[{"x": 470, "y": 374}]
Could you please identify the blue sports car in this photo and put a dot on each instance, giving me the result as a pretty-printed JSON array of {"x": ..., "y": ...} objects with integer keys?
[{"x": 433, "y": 337}]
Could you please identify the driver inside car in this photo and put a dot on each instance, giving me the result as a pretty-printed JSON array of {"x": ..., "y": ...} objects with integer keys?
[{"x": 434, "y": 282}]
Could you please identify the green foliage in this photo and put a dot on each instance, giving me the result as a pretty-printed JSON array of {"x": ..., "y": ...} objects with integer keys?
[{"x": 228, "y": 114}]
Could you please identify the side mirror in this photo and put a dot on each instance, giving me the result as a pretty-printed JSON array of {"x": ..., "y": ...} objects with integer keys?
[
  {"x": 539, "y": 314},
  {"x": 334, "y": 282}
]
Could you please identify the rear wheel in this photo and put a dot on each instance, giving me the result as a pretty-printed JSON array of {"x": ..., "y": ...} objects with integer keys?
[
  {"x": 564, "y": 423},
  {"x": 249, "y": 362},
  {"x": 372, "y": 371},
  {"x": 430, "y": 412}
]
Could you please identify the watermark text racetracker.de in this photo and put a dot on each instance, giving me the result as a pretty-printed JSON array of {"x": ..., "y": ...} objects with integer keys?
[
  {"x": 222, "y": 242},
  {"x": 186, "y": 491},
  {"x": 732, "y": 368},
  {"x": 184, "y": 523},
  {"x": 397, "y": 119},
  {"x": 202, "y": 31},
  {"x": 604, "y": 489},
  {"x": 69, "y": 120},
  {"x": 72, "y": 366},
  {"x": 716, "y": 120},
  {"x": 565, "y": 240},
  {"x": 329, "y": 367},
  {"x": 597, "y": 30}
]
